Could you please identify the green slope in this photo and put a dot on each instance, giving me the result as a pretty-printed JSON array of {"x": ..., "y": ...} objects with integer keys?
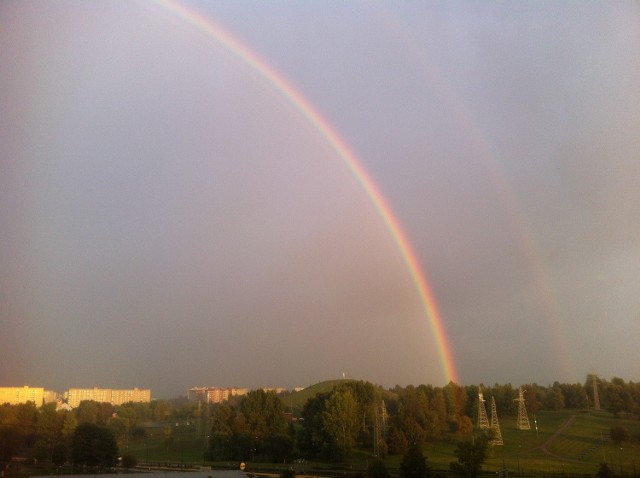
[{"x": 296, "y": 400}]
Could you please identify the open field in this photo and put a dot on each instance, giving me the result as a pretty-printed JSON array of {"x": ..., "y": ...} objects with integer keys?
[{"x": 580, "y": 444}]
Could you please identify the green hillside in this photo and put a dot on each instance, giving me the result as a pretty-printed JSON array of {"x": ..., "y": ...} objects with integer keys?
[
  {"x": 296, "y": 400},
  {"x": 565, "y": 442}
]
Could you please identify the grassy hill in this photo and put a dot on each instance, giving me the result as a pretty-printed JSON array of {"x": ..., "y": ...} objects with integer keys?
[
  {"x": 296, "y": 400},
  {"x": 567, "y": 441}
]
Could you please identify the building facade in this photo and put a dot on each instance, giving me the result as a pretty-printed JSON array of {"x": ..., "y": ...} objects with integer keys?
[
  {"x": 17, "y": 395},
  {"x": 108, "y": 395},
  {"x": 214, "y": 394}
]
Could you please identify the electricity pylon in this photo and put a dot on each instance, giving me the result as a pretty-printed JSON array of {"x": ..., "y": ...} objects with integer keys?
[
  {"x": 483, "y": 421},
  {"x": 523, "y": 419},
  {"x": 380, "y": 428},
  {"x": 495, "y": 426},
  {"x": 596, "y": 398}
]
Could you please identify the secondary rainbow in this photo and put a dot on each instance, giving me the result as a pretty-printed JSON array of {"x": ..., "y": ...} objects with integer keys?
[{"x": 300, "y": 103}]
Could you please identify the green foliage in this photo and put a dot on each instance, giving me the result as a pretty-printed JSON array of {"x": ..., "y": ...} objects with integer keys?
[
  {"x": 471, "y": 455},
  {"x": 313, "y": 439},
  {"x": 619, "y": 434},
  {"x": 414, "y": 464},
  {"x": 138, "y": 432},
  {"x": 258, "y": 429},
  {"x": 59, "y": 454},
  {"x": 399, "y": 444},
  {"x": 604, "y": 471},
  {"x": 93, "y": 446},
  {"x": 129, "y": 461},
  {"x": 288, "y": 473},
  {"x": 336, "y": 422},
  {"x": 377, "y": 469},
  {"x": 341, "y": 419}
]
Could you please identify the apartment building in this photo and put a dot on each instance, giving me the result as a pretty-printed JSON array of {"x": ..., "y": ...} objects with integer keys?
[
  {"x": 108, "y": 395},
  {"x": 214, "y": 394},
  {"x": 17, "y": 395}
]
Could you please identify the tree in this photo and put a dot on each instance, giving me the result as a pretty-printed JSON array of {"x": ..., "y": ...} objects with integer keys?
[
  {"x": 313, "y": 439},
  {"x": 619, "y": 434},
  {"x": 399, "y": 443},
  {"x": 414, "y": 464},
  {"x": 59, "y": 455},
  {"x": 377, "y": 469},
  {"x": 465, "y": 426},
  {"x": 604, "y": 471},
  {"x": 341, "y": 419},
  {"x": 471, "y": 455},
  {"x": 94, "y": 446},
  {"x": 129, "y": 460},
  {"x": 288, "y": 473},
  {"x": 87, "y": 411}
]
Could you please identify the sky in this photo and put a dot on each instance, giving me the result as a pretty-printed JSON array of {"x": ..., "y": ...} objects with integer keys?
[{"x": 179, "y": 207}]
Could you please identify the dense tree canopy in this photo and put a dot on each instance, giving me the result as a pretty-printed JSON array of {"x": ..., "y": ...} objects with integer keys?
[
  {"x": 94, "y": 446},
  {"x": 471, "y": 454},
  {"x": 256, "y": 429}
]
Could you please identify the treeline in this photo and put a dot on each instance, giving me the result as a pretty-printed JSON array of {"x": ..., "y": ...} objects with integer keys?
[
  {"x": 361, "y": 415},
  {"x": 46, "y": 435},
  {"x": 329, "y": 426}
]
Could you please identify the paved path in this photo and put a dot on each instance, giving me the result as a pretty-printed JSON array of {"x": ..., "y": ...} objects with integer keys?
[{"x": 544, "y": 446}]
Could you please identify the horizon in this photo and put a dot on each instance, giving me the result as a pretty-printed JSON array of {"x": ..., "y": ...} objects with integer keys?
[{"x": 301, "y": 388}]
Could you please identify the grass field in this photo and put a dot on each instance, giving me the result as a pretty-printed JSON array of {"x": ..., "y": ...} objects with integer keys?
[{"x": 578, "y": 448}]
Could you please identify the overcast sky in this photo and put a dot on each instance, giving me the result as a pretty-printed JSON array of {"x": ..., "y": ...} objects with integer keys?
[{"x": 169, "y": 219}]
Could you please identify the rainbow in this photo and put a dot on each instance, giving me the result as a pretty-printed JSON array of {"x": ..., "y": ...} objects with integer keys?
[
  {"x": 532, "y": 255},
  {"x": 323, "y": 127}
]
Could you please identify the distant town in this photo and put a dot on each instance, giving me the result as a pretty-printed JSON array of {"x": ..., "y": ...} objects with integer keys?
[{"x": 71, "y": 398}]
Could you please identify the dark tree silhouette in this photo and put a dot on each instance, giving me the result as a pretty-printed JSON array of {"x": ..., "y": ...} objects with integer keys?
[
  {"x": 471, "y": 456},
  {"x": 414, "y": 464},
  {"x": 93, "y": 445}
]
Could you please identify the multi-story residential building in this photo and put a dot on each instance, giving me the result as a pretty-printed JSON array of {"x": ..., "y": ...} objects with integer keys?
[
  {"x": 51, "y": 397},
  {"x": 197, "y": 394},
  {"x": 214, "y": 394},
  {"x": 108, "y": 395},
  {"x": 276, "y": 390},
  {"x": 17, "y": 395}
]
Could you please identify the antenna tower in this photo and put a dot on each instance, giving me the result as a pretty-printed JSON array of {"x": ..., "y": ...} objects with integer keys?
[
  {"x": 495, "y": 426},
  {"x": 483, "y": 421},
  {"x": 596, "y": 398},
  {"x": 523, "y": 419}
]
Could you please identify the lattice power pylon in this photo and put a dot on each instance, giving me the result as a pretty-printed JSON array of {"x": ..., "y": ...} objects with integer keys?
[
  {"x": 523, "y": 419},
  {"x": 483, "y": 421},
  {"x": 495, "y": 426},
  {"x": 596, "y": 398},
  {"x": 380, "y": 428}
]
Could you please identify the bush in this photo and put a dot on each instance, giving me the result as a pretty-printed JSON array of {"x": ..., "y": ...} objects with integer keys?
[
  {"x": 129, "y": 461},
  {"x": 377, "y": 469},
  {"x": 94, "y": 446}
]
